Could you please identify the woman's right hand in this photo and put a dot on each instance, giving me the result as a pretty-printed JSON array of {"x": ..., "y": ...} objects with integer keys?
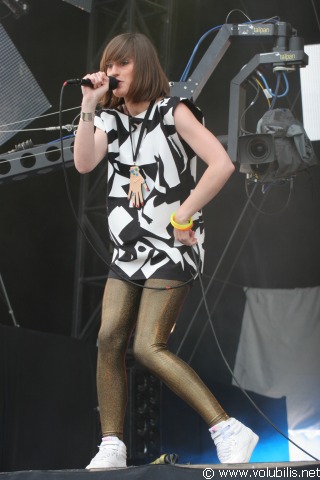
[
  {"x": 90, "y": 146},
  {"x": 92, "y": 95}
]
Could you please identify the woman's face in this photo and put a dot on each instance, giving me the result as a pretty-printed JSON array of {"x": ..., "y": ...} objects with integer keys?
[{"x": 123, "y": 71}]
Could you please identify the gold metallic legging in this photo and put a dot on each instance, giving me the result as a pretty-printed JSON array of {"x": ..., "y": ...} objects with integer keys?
[{"x": 153, "y": 313}]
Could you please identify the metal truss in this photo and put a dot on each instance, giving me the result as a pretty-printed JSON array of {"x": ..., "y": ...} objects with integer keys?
[{"x": 94, "y": 251}]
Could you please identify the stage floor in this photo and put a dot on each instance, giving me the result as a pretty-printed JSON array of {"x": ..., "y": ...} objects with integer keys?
[{"x": 178, "y": 472}]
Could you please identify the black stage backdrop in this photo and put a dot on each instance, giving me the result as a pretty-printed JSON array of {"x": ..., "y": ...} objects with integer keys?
[{"x": 48, "y": 416}]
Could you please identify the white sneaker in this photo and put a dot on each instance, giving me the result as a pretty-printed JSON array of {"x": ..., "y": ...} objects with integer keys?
[
  {"x": 112, "y": 454},
  {"x": 234, "y": 441}
]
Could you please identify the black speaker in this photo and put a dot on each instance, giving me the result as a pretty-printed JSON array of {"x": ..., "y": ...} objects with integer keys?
[{"x": 142, "y": 433}]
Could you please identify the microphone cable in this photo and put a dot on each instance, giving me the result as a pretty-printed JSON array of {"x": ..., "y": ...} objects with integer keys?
[{"x": 253, "y": 403}]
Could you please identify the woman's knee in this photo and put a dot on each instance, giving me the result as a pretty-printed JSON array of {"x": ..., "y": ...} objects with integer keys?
[
  {"x": 111, "y": 340},
  {"x": 147, "y": 355}
]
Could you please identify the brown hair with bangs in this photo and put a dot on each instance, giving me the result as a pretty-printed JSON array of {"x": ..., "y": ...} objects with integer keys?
[{"x": 149, "y": 82}]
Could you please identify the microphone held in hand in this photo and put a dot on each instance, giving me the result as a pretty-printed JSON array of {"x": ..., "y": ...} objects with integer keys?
[{"x": 113, "y": 82}]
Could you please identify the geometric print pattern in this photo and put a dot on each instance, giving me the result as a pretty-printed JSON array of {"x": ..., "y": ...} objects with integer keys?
[{"x": 144, "y": 245}]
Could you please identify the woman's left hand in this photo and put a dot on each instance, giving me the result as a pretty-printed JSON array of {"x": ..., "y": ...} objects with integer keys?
[{"x": 185, "y": 236}]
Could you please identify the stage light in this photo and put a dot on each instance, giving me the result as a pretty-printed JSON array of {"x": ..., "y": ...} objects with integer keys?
[
  {"x": 17, "y": 7},
  {"x": 83, "y": 4}
]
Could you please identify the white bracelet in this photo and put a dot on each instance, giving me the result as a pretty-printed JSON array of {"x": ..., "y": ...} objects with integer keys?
[{"x": 87, "y": 117}]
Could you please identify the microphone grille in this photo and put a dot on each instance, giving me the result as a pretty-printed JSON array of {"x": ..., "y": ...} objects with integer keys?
[{"x": 113, "y": 83}]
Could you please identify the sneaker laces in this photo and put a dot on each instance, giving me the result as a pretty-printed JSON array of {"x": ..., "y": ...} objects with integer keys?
[
  {"x": 107, "y": 449},
  {"x": 224, "y": 441}
]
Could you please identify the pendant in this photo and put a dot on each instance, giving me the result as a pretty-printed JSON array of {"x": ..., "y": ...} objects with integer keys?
[{"x": 135, "y": 187}]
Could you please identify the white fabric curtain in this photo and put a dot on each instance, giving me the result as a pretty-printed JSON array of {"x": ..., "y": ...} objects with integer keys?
[{"x": 279, "y": 355}]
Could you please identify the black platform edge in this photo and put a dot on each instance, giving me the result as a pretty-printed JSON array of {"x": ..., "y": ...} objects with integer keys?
[{"x": 177, "y": 472}]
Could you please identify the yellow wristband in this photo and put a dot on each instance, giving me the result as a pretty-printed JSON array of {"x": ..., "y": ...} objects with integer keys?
[{"x": 178, "y": 226}]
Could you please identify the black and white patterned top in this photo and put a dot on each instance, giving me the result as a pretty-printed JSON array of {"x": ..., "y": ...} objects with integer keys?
[{"x": 144, "y": 246}]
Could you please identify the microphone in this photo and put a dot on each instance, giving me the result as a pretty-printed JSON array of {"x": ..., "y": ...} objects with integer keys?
[{"x": 113, "y": 82}]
